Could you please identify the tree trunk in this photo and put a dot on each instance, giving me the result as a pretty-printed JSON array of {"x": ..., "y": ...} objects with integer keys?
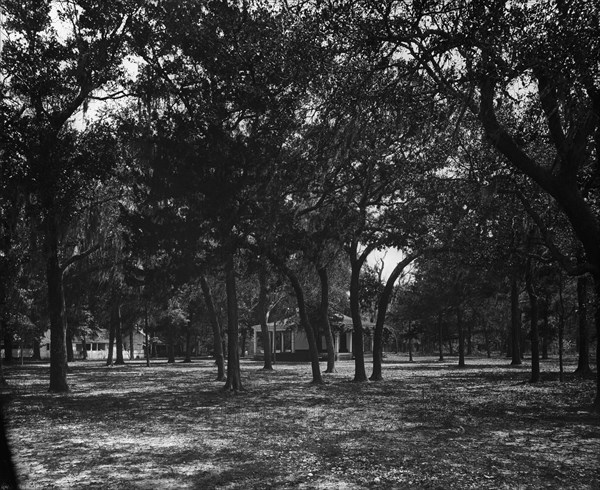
[
  {"x": 304, "y": 320},
  {"x": 8, "y": 346},
  {"x": 171, "y": 348},
  {"x": 410, "y": 349},
  {"x": 68, "y": 329},
  {"x": 131, "y": 350},
  {"x": 83, "y": 347},
  {"x": 188, "y": 342},
  {"x": 357, "y": 262},
  {"x": 382, "y": 306},
  {"x": 461, "y": 337},
  {"x": 533, "y": 304},
  {"x": 583, "y": 363},
  {"x": 2, "y": 330},
  {"x": 561, "y": 329},
  {"x": 440, "y": 336},
  {"x": 119, "y": 335},
  {"x": 546, "y": 333},
  {"x": 37, "y": 355},
  {"x": 234, "y": 378},
  {"x": 112, "y": 327},
  {"x": 324, "y": 319},
  {"x": 8, "y": 474},
  {"x": 597, "y": 321},
  {"x": 58, "y": 333},
  {"x": 216, "y": 328},
  {"x": 146, "y": 336},
  {"x": 262, "y": 317},
  {"x": 515, "y": 321}
]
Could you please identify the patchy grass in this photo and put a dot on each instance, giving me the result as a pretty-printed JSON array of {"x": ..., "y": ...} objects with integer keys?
[{"x": 427, "y": 425}]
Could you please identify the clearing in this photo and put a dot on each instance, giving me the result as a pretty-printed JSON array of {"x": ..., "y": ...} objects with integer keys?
[{"x": 429, "y": 424}]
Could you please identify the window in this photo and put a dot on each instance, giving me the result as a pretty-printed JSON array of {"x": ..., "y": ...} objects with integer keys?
[{"x": 101, "y": 346}]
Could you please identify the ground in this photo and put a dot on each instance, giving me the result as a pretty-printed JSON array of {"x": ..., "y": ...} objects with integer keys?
[{"x": 429, "y": 424}]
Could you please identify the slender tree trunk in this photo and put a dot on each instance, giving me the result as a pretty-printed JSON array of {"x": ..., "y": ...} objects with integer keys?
[
  {"x": 119, "y": 335},
  {"x": 188, "y": 342},
  {"x": 37, "y": 355},
  {"x": 216, "y": 328},
  {"x": 262, "y": 317},
  {"x": 470, "y": 337},
  {"x": 515, "y": 321},
  {"x": 68, "y": 329},
  {"x": 304, "y": 320},
  {"x": 546, "y": 334},
  {"x": 357, "y": 262},
  {"x": 58, "y": 333},
  {"x": 171, "y": 347},
  {"x": 8, "y": 346},
  {"x": 324, "y": 319},
  {"x": 450, "y": 347},
  {"x": 83, "y": 347},
  {"x": 597, "y": 322},
  {"x": 146, "y": 336},
  {"x": 410, "y": 349},
  {"x": 112, "y": 328},
  {"x": 533, "y": 304},
  {"x": 131, "y": 350},
  {"x": 583, "y": 363},
  {"x": 382, "y": 306},
  {"x": 440, "y": 336},
  {"x": 461, "y": 337},
  {"x": 561, "y": 330},
  {"x": 2, "y": 330},
  {"x": 234, "y": 378}
]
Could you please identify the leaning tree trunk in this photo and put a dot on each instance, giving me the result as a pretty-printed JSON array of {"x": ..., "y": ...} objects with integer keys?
[
  {"x": 58, "y": 333},
  {"x": 533, "y": 304},
  {"x": 262, "y": 317},
  {"x": 461, "y": 337},
  {"x": 583, "y": 363},
  {"x": 382, "y": 306},
  {"x": 310, "y": 334},
  {"x": 515, "y": 321},
  {"x": 324, "y": 319},
  {"x": 234, "y": 378},
  {"x": 119, "y": 335},
  {"x": 216, "y": 328}
]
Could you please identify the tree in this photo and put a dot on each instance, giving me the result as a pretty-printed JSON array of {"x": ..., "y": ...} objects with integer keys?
[{"x": 50, "y": 77}]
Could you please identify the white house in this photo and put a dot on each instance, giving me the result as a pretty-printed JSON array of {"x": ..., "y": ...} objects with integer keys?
[{"x": 291, "y": 344}]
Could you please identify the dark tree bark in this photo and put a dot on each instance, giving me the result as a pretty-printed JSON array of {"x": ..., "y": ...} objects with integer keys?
[
  {"x": 515, "y": 321},
  {"x": 262, "y": 317},
  {"x": 8, "y": 345},
  {"x": 37, "y": 355},
  {"x": 216, "y": 328},
  {"x": 597, "y": 321},
  {"x": 461, "y": 337},
  {"x": 382, "y": 306},
  {"x": 188, "y": 342},
  {"x": 8, "y": 474},
  {"x": 324, "y": 319},
  {"x": 58, "y": 333},
  {"x": 440, "y": 336},
  {"x": 234, "y": 378},
  {"x": 356, "y": 262},
  {"x": 119, "y": 335},
  {"x": 583, "y": 363},
  {"x": 83, "y": 347},
  {"x": 131, "y": 350},
  {"x": 112, "y": 327},
  {"x": 533, "y": 305},
  {"x": 171, "y": 347},
  {"x": 546, "y": 332}
]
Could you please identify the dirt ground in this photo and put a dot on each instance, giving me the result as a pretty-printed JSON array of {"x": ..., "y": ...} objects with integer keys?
[{"x": 429, "y": 425}]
